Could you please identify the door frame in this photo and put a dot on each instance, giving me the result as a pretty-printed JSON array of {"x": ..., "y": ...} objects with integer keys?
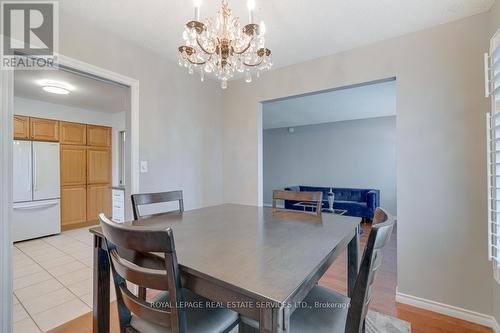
[
  {"x": 6, "y": 105},
  {"x": 6, "y": 134}
]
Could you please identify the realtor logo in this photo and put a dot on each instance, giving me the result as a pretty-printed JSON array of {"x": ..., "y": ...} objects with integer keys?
[{"x": 29, "y": 33}]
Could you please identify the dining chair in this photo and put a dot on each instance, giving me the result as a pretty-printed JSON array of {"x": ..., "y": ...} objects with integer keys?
[
  {"x": 167, "y": 311},
  {"x": 347, "y": 315},
  {"x": 315, "y": 199},
  {"x": 338, "y": 313},
  {"x": 145, "y": 199}
]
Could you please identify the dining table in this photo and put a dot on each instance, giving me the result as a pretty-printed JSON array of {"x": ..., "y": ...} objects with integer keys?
[{"x": 244, "y": 257}]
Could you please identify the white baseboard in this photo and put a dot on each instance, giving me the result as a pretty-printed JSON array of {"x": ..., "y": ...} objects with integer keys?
[{"x": 449, "y": 310}]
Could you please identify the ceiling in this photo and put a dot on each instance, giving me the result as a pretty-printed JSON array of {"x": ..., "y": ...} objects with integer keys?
[
  {"x": 297, "y": 30},
  {"x": 88, "y": 94},
  {"x": 368, "y": 101}
]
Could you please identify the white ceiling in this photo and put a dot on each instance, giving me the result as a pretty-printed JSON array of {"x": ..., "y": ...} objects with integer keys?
[
  {"x": 369, "y": 101},
  {"x": 88, "y": 94},
  {"x": 297, "y": 30}
]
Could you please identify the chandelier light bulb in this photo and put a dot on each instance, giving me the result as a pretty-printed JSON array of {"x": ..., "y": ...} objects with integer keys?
[
  {"x": 197, "y": 4},
  {"x": 251, "y": 8},
  {"x": 251, "y": 5}
]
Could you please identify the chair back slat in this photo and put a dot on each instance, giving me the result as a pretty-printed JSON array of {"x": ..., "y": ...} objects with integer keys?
[
  {"x": 315, "y": 198},
  {"x": 144, "y": 277},
  {"x": 129, "y": 251},
  {"x": 372, "y": 260},
  {"x": 157, "y": 315},
  {"x": 144, "y": 199}
]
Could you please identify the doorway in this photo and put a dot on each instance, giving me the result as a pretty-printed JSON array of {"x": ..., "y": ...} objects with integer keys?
[
  {"x": 340, "y": 142},
  {"x": 131, "y": 171}
]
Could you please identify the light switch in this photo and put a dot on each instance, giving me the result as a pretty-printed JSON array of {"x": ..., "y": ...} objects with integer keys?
[{"x": 144, "y": 166}]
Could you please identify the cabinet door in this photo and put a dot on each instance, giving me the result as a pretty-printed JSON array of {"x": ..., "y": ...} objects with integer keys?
[
  {"x": 73, "y": 165},
  {"x": 98, "y": 201},
  {"x": 73, "y": 205},
  {"x": 44, "y": 129},
  {"x": 72, "y": 133},
  {"x": 98, "y": 136},
  {"x": 98, "y": 165},
  {"x": 21, "y": 127}
]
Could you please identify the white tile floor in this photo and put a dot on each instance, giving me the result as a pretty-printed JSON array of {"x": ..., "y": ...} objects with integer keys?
[{"x": 52, "y": 280}]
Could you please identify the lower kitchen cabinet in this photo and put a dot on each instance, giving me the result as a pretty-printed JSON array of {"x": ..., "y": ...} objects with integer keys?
[
  {"x": 73, "y": 206},
  {"x": 98, "y": 201}
]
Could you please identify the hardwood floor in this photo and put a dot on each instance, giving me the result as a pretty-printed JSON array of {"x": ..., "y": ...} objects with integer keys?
[{"x": 383, "y": 301}]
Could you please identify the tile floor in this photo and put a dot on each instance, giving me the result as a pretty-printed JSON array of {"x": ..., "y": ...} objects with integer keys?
[{"x": 52, "y": 280}]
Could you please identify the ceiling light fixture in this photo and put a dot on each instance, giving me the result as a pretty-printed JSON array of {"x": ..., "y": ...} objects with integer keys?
[
  {"x": 222, "y": 46},
  {"x": 55, "y": 90},
  {"x": 56, "y": 87}
]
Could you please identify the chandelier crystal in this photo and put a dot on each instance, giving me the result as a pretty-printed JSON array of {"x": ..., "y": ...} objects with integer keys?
[{"x": 222, "y": 46}]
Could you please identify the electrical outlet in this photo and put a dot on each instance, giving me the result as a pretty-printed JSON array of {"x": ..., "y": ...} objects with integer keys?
[{"x": 144, "y": 166}]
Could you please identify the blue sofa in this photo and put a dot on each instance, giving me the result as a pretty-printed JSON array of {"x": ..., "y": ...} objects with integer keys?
[{"x": 357, "y": 202}]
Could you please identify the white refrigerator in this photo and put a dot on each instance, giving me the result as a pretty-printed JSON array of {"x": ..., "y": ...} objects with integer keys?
[{"x": 36, "y": 190}]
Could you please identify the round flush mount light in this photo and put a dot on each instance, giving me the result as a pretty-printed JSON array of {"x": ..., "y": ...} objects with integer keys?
[
  {"x": 56, "y": 87},
  {"x": 55, "y": 90}
]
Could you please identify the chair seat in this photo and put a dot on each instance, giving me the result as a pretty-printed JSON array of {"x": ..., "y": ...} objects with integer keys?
[
  {"x": 200, "y": 319},
  {"x": 326, "y": 312}
]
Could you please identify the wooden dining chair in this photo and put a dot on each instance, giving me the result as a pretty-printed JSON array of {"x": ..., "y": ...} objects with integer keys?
[
  {"x": 314, "y": 198},
  {"x": 145, "y": 199},
  {"x": 340, "y": 313},
  {"x": 349, "y": 314},
  {"x": 166, "y": 312}
]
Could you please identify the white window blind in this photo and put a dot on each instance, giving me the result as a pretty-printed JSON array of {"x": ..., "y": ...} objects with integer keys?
[{"x": 492, "y": 80}]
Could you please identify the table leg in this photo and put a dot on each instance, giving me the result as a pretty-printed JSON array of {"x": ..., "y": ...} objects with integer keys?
[
  {"x": 101, "y": 288},
  {"x": 352, "y": 262}
]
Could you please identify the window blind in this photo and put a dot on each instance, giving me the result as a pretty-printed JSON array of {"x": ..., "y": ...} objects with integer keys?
[{"x": 492, "y": 80}]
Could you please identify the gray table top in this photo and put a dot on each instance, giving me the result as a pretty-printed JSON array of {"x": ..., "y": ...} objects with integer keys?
[{"x": 249, "y": 248}]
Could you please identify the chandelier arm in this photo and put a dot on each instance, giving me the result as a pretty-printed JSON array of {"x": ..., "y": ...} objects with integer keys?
[
  {"x": 253, "y": 65},
  {"x": 202, "y": 48},
  {"x": 245, "y": 49},
  {"x": 198, "y": 62}
]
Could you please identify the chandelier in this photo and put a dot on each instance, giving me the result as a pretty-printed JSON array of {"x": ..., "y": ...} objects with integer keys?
[{"x": 221, "y": 46}]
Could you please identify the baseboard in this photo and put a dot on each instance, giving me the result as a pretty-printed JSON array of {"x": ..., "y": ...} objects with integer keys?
[
  {"x": 496, "y": 326},
  {"x": 449, "y": 310}
]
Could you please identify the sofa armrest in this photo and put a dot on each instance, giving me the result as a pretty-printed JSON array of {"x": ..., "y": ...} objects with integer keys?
[
  {"x": 373, "y": 199},
  {"x": 293, "y": 188}
]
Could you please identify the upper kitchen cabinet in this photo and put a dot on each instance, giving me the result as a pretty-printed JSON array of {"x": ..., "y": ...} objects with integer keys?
[
  {"x": 72, "y": 133},
  {"x": 98, "y": 136},
  {"x": 98, "y": 165},
  {"x": 44, "y": 129},
  {"x": 21, "y": 128},
  {"x": 73, "y": 165}
]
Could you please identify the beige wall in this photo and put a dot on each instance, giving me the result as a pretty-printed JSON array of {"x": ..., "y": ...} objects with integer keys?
[
  {"x": 440, "y": 150},
  {"x": 180, "y": 127}
]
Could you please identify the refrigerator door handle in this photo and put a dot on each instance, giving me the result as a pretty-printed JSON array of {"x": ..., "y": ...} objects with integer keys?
[
  {"x": 35, "y": 176},
  {"x": 30, "y": 177},
  {"x": 36, "y": 205}
]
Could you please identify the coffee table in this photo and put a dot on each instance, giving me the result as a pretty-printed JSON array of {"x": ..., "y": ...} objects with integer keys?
[{"x": 311, "y": 206}]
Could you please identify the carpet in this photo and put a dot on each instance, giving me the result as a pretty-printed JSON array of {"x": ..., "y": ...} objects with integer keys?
[{"x": 380, "y": 323}]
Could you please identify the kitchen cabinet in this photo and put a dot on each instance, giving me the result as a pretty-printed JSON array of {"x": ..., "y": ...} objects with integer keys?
[
  {"x": 44, "y": 129},
  {"x": 99, "y": 165},
  {"x": 21, "y": 128},
  {"x": 98, "y": 136},
  {"x": 73, "y": 165},
  {"x": 72, "y": 133},
  {"x": 73, "y": 206},
  {"x": 98, "y": 201}
]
